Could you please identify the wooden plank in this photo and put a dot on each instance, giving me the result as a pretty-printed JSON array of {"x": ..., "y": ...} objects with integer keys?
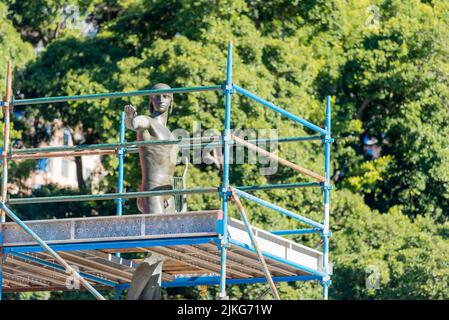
[
  {"x": 97, "y": 267},
  {"x": 232, "y": 263},
  {"x": 41, "y": 272},
  {"x": 29, "y": 278},
  {"x": 204, "y": 266},
  {"x": 210, "y": 264}
]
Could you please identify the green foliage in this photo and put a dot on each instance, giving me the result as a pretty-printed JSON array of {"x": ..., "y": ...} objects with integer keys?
[
  {"x": 368, "y": 175},
  {"x": 12, "y": 48},
  {"x": 409, "y": 259},
  {"x": 45, "y": 20},
  {"x": 398, "y": 73}
]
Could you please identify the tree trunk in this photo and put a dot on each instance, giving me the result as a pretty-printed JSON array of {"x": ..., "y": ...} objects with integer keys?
[
  {"x": 78, "y": 137},
  {"x": 79, "y": 173}
]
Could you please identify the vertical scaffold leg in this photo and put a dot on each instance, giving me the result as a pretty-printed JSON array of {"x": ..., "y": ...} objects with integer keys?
[
  {"x": 266, "y": 271},
  {"x": 118, "y": 292},
  {"x": 326, "y": 189},
  {"x": 47, "y": 248},
  {"x": 121, "y": 156},
  {"x": 5, "y": 150},
  {"x": 227, "y": 90},
  {"x": 1, "y": 266}
]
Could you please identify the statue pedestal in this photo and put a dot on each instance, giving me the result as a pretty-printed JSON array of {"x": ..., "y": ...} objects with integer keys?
[{"x": 146, "y": 281}]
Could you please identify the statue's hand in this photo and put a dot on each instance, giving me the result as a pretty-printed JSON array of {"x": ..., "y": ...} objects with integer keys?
[{"x": 130, "y": 111}]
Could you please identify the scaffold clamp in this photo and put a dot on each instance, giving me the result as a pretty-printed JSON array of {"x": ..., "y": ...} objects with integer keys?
[{"x": 227, "y": 88}]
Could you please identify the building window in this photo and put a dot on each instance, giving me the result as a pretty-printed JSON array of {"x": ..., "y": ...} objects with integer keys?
[
  {"x": 66, "y": 137},
  {"x": 65, "y": 168}
]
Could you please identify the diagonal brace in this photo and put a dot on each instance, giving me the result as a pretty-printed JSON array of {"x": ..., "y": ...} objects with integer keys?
[
  {"x": 256, "y": 246},
  {"x": 280, "y": 110},
  {"x": 47, "y": 248}
]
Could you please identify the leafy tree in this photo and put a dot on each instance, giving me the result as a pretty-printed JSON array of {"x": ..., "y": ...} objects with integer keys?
[
  {"x": 12, "y": 48},
  {"x": 403, "y": 259},
  {"x": 44, "y": 20},
  {"x": 396, "y": 78}
]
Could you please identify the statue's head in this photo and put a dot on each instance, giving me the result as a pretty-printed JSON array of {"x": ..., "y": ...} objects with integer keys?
[{"x": 161, "y": 103}]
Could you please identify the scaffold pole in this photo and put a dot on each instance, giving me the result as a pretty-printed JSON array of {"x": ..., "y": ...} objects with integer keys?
[
  {"x": 225, "y": 180},
  {"x": 5, "y": 149},
  {"x": 327, "y": 139},
  {"x": 121, "y": 156},
  {"x": 113, "y": 95}
]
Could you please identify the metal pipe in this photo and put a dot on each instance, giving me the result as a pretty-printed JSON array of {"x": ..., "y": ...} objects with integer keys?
[
  {"x": 108, "y": 196},
  {"x": 278, "y": 209},
  {"x": 326, "y": 189},
  {"x": 121, "y": 155},
  {"x": 1, "y": 266},
  {"x": 111, "y": 148},
  {"x": 184, "y": 281},
  {"x": 295, "y": 231},
  {"x": 249, "y": 230},
  {"x": 279, "y": 186},
  {"x": 131, "y": 195},
  {"x": 115, "y": 244},
  {"x": 225, "y": 177},
  {"x": 118, "y": 292},
  {"x": 47, "y": 248},
  {"x": 282, "y": 161},
  {"x": 5, "y": 149},
  {"x": 114, "y": 95},
  {"x": 6, "y": 132},
  {"x": 105, "y": 146},
  {"x": 254, "y": 141},
  {"x": 60, "y": 154},
  {"x": 280, "y": 110}
]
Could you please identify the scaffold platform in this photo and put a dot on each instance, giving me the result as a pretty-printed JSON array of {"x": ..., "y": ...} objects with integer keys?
[
  {"x": 189, "y": 242},
  {"x": 199, "y": 247}
]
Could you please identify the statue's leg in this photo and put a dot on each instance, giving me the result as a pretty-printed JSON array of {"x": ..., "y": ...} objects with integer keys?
[
  {"x": 142, "y": 203},
  {"x": 146, "y": 280},
  {"x": 169, "y": 205},
  {"x": 156, "y": 204},
  {"x": 150, "y": 204}
]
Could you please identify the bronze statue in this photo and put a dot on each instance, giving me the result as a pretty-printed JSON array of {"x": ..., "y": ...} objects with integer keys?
[
  {"x": 157, "y": 161},
  {"x": 158, "y": 164}
]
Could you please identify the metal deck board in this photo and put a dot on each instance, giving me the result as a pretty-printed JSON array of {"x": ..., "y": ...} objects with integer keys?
[{"x": 81, "y": 241}]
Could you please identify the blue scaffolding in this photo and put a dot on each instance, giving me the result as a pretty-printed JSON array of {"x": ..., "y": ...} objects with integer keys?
[{"x": 20, "y": 239}]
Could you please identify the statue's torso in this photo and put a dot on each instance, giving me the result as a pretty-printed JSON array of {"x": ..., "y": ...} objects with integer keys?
[{"x": 158, "y": 162}]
